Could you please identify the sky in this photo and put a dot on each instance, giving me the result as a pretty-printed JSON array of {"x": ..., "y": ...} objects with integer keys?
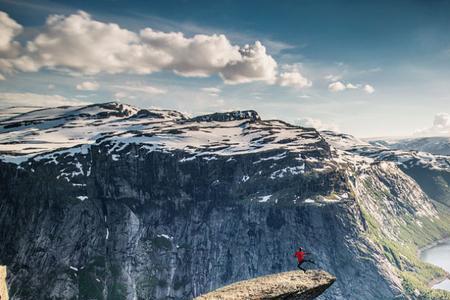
[{"x": 368, "y": 68}]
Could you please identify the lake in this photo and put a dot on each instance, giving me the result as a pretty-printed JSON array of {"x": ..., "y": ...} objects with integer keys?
[{"x": 439, "y": 255}]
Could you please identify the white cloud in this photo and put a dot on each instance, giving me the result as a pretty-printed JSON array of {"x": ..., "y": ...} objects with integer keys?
[
  {"x": 339, "y": 86},
  {"x": 331, "y": 77},
  {"x": 31, "y": 99},
  {"x": 441, "y": 126},
  {"x": 369, "y": 89},
  {"x": 77, "y": 43},
  {"x": 293, "y": 78},
  {"x": 199, "y": 56},
  {"x": 212, "y": 91},
  {"x": 9, "y": 29},
  {"x": 351, "y": 86},
  {"x": 142, "y": 89},
  {"x": 124, "y": 95},
  {"x": 88, "y": 86},
  {"x": 317, "y": 124},
  {"x": 254, "y": 64}
]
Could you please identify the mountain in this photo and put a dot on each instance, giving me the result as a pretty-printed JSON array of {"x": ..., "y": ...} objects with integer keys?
[
  {"x": 109, "y": 201},
  {"x": 430, "y": 171},
  {"x": 435, "y": 145}
]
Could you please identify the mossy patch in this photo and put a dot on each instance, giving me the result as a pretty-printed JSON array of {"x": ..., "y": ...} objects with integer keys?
[{"x": 403, "y": 254}]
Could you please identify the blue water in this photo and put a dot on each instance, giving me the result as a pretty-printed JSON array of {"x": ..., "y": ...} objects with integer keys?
[{"x": 439, "y": 255}]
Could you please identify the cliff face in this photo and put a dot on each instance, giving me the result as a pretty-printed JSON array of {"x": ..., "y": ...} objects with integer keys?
[
  {"x": 294, "y": 285},
  {"x": 156, "y": 206}
]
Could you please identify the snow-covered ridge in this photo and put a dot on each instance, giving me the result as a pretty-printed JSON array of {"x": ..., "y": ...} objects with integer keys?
[
  {"x": 49, "y": 132},
  {"x": 439, "y": 145},
  {"x": 71, "y": 129},
  {"x": 379, "y": 152}
]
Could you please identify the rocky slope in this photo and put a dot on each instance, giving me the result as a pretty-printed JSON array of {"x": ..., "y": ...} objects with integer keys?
[
  {"x": 430, "y": 171},
  {"x": 293, "y": 285},
  {"x": 114, "y": 202}
]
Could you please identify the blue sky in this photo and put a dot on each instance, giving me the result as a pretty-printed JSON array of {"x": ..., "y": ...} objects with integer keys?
[{"x": 369, "y": 68}]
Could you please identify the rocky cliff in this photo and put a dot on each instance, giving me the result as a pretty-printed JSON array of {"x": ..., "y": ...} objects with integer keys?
[
  {"x": 114, "y": 202},
  {"x": 293, "y": 285}
]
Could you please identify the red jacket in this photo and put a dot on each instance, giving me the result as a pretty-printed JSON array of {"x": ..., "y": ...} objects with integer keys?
[{"x": 300, "y": 256}]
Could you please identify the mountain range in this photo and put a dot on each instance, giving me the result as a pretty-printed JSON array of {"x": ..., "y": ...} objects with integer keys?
[{"x": 110, "y": 201}]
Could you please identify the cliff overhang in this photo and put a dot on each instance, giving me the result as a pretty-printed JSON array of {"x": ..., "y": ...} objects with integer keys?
[{"x": 294, "y": 285}]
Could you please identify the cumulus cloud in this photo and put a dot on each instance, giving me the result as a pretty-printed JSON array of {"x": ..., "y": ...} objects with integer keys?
[
  {"x": 31, "y": 99},
  {"x": 351, "y": 86},
  {"x": 368, "y": 89},
  {"x": 254, "y": 65},
  {"x": 293, "y": 78},
  {"x": 80, "y": 44},
  {"x": 339, "y": 86},
  {"x": 9, "y": 29},
  {"x": 317, "y": 124},
  {"x": 88, "y": 86},
  {"x": 199, "y": 56},
  {"x": 440, "y": 127}
]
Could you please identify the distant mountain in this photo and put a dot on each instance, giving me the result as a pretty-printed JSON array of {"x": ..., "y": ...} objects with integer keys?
[
  {"x": 436, "y": 145},
  {"x": 430, "y": 171},
  {"x": 110, "y": 201}
]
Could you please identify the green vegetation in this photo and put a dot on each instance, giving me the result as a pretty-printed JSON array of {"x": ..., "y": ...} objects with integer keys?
[{"x": 403, "y": 254}]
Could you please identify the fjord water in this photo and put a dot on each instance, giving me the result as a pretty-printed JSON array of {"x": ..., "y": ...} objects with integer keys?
[{"x": 439, "y": 255}]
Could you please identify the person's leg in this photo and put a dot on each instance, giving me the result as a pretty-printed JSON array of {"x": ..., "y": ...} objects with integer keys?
[{"x": 299, "y": 266}]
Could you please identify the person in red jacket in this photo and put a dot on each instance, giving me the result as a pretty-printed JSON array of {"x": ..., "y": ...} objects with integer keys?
[{"x": 300, "y": 254}]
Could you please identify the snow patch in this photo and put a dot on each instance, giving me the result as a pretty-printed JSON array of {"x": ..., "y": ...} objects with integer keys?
[
  {"x": 82, "y": 198},
  {"x": 73, "y": 268},
  {"x": 166, "y": 236},
  {"x": 264, "y": 198}
]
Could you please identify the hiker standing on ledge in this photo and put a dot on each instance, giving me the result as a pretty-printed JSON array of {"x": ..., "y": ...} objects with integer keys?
[{"x": 300, "y": 254}]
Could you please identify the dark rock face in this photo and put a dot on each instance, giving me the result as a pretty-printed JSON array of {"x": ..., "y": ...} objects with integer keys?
[
  {"x": 152, "y": 227},
  {"x": 229, "y": 116}
]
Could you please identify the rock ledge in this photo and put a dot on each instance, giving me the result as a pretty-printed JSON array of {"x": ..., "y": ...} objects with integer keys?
[{"x": 294, "y": 285}]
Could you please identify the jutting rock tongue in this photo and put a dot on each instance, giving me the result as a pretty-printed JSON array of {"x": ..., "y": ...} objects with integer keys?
[
  {"x": 294, "y": 285},
  {"x": 3, "y": 287}
]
